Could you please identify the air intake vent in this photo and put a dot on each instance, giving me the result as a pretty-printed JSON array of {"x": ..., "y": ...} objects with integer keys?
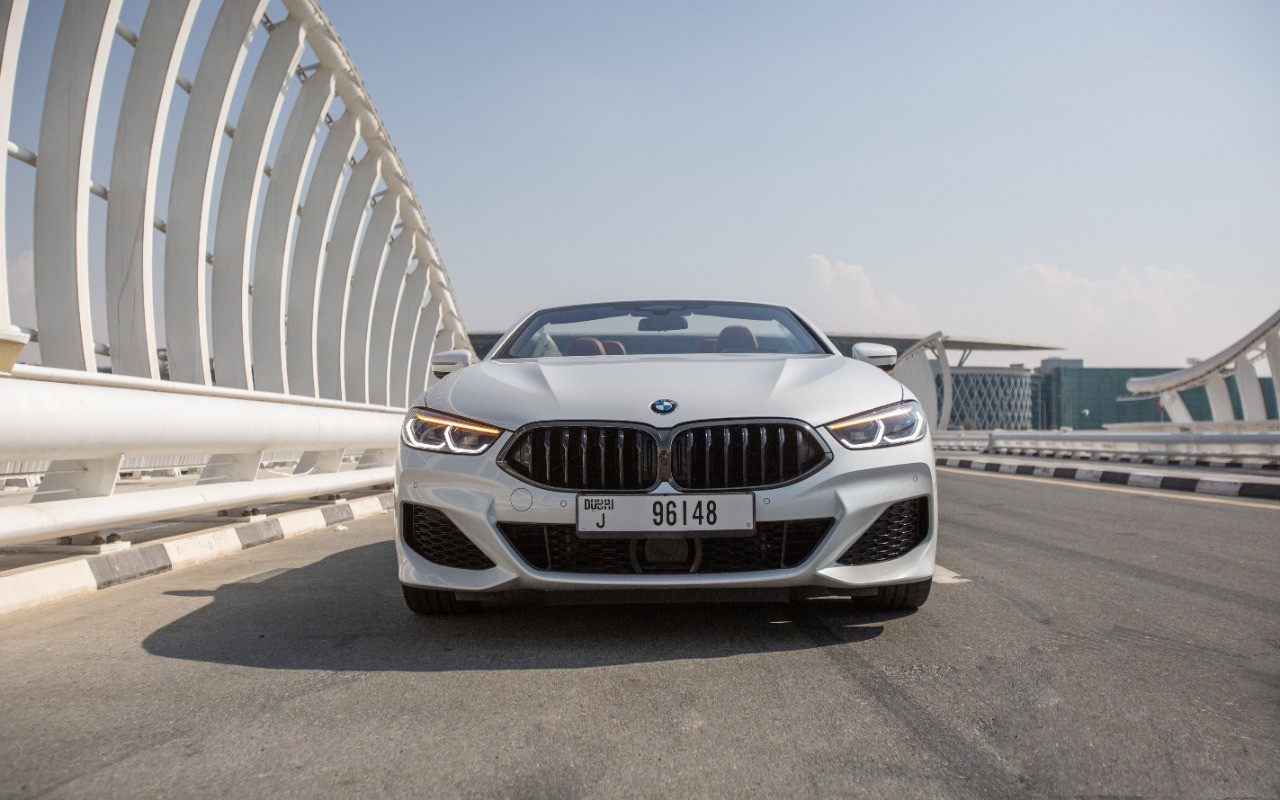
[
  {"x": 585, "y": 457},
  {"x": 432, "y": 535},
  {"x": 557, "y": 548},
  {"x": 900, "y": 528},
  {"x": 744, "y": 455}
]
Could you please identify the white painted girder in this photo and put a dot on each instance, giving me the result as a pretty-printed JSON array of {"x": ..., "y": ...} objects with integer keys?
[
  {"x": 208, "y": 336},
  {"x": 276, "y": 229},
  {"x": 424, "y": 341},
  {"x": 185, "y": 301},
  {"x": 308, "y": 253},
  {"x": 386, "y": 300},
  {"x": 1219, "y": 399},
  {"x": 131, "y": 209},
  {"x": 1272, "y": 343},
  {"x": 402, "y": 334},
  {"x": 13, "y": 15},
  {"x": 61, "y": 220},
  {"x": 1251, "y": 405},
  {"x": 364, "y": 280},
  {"x": 336, "y": 278},
  {"x": 238, "y": 203}
]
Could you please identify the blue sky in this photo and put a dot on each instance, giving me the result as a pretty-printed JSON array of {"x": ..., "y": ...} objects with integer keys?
[{"x": 1101, "y": 176}]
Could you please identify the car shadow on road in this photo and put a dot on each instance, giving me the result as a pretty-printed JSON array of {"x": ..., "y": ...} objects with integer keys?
[{"x": 345, "y": 612}]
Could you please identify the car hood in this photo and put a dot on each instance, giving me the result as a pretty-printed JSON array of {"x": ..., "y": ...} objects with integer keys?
[{"x": 815, "y": 389}]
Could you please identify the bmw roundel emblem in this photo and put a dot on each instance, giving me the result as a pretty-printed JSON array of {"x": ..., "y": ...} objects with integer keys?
[{"x": 663, "y": 406}]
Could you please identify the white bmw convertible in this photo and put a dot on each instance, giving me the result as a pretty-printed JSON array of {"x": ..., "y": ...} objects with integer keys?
[{"x": 665, "y": 449}]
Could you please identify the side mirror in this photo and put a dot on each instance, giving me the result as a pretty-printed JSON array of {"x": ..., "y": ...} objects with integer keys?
[
  {"x": 877, "y": 355},
  {"x": 451, "y": 361}
]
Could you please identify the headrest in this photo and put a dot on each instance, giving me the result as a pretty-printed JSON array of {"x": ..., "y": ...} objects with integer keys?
[
  {"x": 736, "y": 339},
  {"x": 613, "y": 347},
  {"x": 586, "y": 346}
]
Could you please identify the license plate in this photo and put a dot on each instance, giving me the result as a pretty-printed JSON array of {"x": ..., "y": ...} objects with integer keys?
[{"x": 666, "y": 514}]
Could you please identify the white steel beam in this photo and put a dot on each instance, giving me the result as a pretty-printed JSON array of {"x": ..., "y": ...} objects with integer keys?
[
  {"x": 402, "y": 334},
  {"x": 13, "y": 15},
  {"x": 68, "y": 126},
  {"x": 355, "y": 334},
  {"x": 1272, "y": 343},
  {"x": 1252, "y": 407},
  {"x": 238, "y": 204},
  {"x": 33, "y": 523},
  {"x": 1172, "y": 404},
  {"x": 131, "y": 209},
  {"x": 185, "y": 301},
  {"x": 79, "y": 477},
  {"x": 1219, "y": 399},
  {"x": 308, "y": 253},
  {"x": 338, "y": 260},
  {"x": 424, "y": 341},
  {"x": 68, "y": 421},
  {"x": 386, "y": 299},
  {"x": 276, "y": 229}
]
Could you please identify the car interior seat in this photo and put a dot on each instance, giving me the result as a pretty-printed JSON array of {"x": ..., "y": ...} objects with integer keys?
[
  {"x": 586, "y": 346},
  {"x": 736, "y": 339}
]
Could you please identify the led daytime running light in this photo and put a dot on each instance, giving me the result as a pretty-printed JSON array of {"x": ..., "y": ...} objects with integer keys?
[
  {"x": 896, "y": 412},
  {"x": 874, "y": 429},
  {"x": 453, "y": 423},
  {"x": 441, "y": 433}
]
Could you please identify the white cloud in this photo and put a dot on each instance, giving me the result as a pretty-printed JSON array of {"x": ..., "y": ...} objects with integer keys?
[
  {"x": 1132, "y": 317},
  {"x": 839, "y": 297}
]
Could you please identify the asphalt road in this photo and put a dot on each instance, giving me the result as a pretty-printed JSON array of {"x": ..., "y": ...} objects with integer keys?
[{"x": 1107, "y": 642}]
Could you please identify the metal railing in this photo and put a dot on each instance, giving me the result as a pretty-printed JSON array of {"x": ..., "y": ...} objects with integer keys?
[
  {"x": 293, "y": 307},
  {"x": 1256, "y": 446}
]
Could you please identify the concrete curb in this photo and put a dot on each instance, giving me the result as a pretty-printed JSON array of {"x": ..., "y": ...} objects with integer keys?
[
  {"x": 1171, "y": 461},
  {"x": 45, "y": 583},
  {"x": 1144, "y": 480}
]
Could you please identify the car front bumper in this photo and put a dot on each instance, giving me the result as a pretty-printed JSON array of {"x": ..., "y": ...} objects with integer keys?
[{"x": 854, "y": 489}]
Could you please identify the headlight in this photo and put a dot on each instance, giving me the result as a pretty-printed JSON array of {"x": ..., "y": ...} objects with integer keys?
[
  {"x": 884, "y": 427},
  {"x": 430, "y": 430}
]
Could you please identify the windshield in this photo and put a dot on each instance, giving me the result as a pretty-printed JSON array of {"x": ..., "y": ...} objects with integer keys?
[{"x": 667, "y": 328}]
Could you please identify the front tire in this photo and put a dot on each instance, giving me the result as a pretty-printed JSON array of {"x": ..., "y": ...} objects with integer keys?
[
  {"x": 434, "y": 602},
  {"x": 902, "y": 597}
]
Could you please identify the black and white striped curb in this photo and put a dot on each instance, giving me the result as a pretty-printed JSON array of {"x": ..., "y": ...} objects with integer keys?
[
  {"x": 1145, "y": 480},
  {"x": 48, "y": 582},
  {"x": 1169, "y": 461}
]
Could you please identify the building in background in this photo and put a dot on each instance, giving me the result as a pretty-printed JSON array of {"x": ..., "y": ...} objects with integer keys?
[
  {"x": 1067, "y": 394},
  {"x": 990, "y": 398}
]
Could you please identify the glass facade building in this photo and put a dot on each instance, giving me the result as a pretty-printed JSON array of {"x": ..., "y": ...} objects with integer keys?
[{"x": 1086, "y": 398}]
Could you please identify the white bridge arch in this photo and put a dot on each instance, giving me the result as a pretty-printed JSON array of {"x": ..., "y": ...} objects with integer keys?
[
  {"x": 261, "y": 254},
  {"x": 1238, "y": 361}
]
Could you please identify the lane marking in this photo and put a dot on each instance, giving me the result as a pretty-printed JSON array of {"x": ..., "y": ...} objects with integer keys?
[
  {"x": 263, "y": 576},
  {"x": 1166, "y": 494},
  {"x": 943, "y": 575}
]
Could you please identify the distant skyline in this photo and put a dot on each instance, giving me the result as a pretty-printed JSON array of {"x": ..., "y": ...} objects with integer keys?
[{"x": 1103, "y": 177}]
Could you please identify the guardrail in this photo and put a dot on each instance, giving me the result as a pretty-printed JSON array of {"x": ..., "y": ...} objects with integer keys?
[
  {"x": 1253, "y": 446},
  {"x": 970, "y": 441},
  {"x": 86, "y": 430}
]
